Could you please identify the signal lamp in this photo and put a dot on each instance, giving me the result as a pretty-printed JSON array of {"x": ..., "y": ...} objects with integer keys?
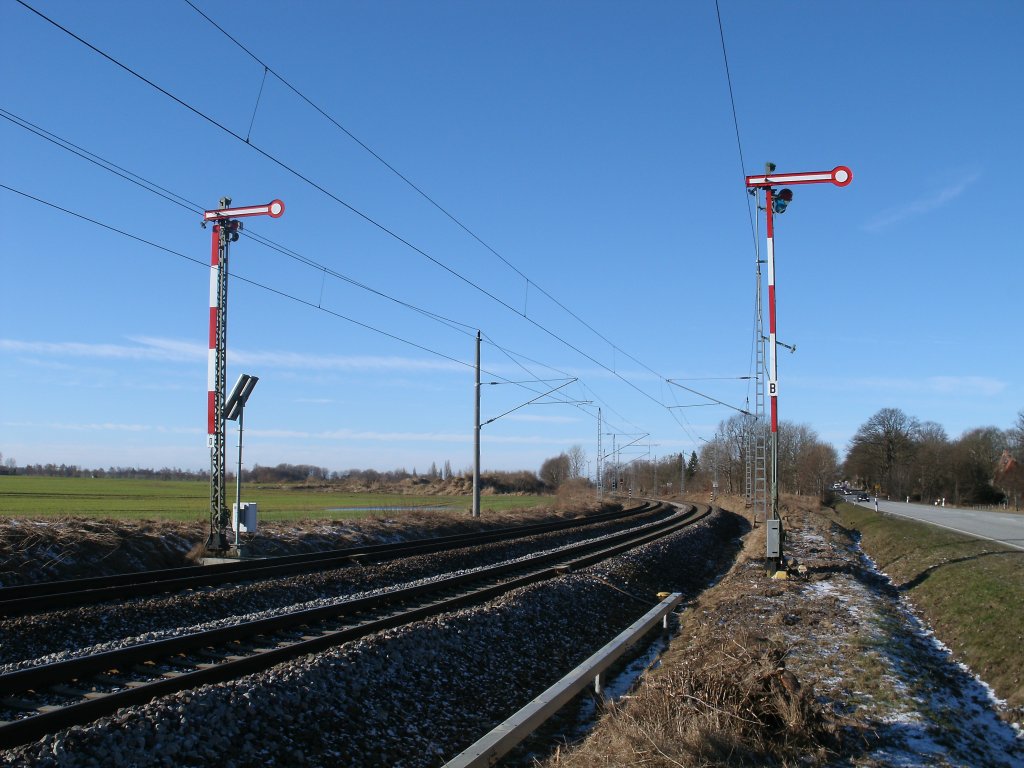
[{"x": 782, "y": 200}]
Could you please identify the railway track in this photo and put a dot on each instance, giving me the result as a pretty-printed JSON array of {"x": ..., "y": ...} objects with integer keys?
[
  {"x": 47, "y": 698},
  {"x": 29, "y": 598}
]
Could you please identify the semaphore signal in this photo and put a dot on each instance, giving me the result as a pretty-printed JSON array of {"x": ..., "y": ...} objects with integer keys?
[
  {"x": 225, "y": 231},
  {"x": 777, "y": 202},
  {"x": 273, "y": 209}
]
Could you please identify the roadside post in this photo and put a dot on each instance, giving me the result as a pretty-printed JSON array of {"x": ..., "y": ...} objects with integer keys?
[{"x": 777, "y": 202}]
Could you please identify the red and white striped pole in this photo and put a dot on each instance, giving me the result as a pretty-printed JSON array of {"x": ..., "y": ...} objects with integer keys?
[
  {"x": 773, "y": 370},
  {"x": 215, "y": 315},
  {"x": 773, "y": 360}
]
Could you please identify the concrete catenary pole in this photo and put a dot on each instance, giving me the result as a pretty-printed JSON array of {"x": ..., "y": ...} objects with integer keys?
[{"x": 476, "y": 434}]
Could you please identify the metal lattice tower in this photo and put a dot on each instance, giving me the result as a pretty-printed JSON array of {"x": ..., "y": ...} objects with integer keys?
[
  {"x": 758, "y": 438},
  {"x": 218, "y": 366},
  {"x": 748, "y": 460}
]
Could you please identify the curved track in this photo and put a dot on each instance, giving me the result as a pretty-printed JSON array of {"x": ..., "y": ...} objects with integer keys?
[
  {"x": 26, "y": 598},
  {"x": 47, "y": 698}
]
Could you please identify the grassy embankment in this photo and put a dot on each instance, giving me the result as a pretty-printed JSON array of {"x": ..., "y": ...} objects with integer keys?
[
  {"x": 971, "y": 591},
  {"x": 186, "y": 500}
]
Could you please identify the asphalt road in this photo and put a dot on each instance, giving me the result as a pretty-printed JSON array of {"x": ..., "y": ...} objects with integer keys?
[{"x": 1004, "y": 527}]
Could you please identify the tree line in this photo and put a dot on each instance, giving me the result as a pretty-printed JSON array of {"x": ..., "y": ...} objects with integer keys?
[
  {"x": 900, "y": 456},
  {"x": 516, "y": 481},
  {"x": 892, "y": 453},
  {"x": 741, "y": 447}
]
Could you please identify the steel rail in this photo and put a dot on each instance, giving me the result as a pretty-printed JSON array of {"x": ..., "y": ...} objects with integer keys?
[
  {"x": 501, "y": 739},
  {"x": 22, "y": 599},
  {"x": 434, "y": 598}
]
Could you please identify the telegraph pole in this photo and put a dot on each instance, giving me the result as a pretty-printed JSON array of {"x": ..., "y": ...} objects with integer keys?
[
  {"x": 682, "y": 474},
  {"x": 225, "y": 231},
  {"x": 476, "y": 435},
  {"x": 777, "y": 202},
  {"x": 600, "y": 459}
]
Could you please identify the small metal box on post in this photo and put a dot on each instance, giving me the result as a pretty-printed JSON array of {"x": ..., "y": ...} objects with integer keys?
[{"x": 775, "y": 536}]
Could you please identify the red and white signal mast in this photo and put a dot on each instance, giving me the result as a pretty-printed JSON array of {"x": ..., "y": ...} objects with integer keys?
[
  {"x": 225, "y": 231},
  {"x": 777, "y": 202}
]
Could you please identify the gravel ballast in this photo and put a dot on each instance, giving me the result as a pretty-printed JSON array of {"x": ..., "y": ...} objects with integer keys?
[{"x": 413, "y": 696}]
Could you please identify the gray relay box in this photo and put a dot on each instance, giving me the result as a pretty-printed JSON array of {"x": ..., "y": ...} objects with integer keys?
[{"x": 774, "y": 534}]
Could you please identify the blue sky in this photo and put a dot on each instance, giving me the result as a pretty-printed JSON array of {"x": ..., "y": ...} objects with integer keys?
[{"x": 590, "y": 150}]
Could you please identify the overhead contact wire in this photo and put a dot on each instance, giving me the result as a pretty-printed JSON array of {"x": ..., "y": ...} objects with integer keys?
[
  {"x": 421, "y": 192},
  {"x": 348, "y": 206}
]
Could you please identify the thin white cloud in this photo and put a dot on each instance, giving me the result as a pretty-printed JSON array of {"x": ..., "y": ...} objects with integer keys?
[
  {"x": 922, "y": 205},
  {"x": 540, "y": 419},
  {"x": 101, "y": 427},
  {"x": 296, "y": 361},
  {"x": 958, "y": 386},
  {"x": 65, "y": 349},
  {"x": 410, "y": 437},
  {"x": 172, "y": 350},
  {"x": 966, "y": 385}
]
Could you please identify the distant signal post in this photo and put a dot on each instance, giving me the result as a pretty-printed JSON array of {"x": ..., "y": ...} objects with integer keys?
[
  {"x": 777, "y": 202},
  {"x": 225, "y": 231}
]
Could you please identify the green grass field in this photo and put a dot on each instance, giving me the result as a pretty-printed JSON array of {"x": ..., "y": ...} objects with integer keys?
[
  {"x": 31, "y": 496},
  {"x": 970, "y": 590}
]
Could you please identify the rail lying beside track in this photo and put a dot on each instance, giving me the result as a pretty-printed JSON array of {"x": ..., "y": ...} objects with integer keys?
[{"x": 501, "y": 739}]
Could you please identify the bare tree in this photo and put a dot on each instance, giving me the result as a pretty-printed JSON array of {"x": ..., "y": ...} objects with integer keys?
[
  {"x": 817, "y": 467},
  {"x": 1015, "y": 438},
  {"x": 882, "y": 450},
  {"x": 932, "y": 463},
  {"x": 577, "y": 461},
  {"x": 555, "y": 471},
  {"x": 975, "y": 460}
]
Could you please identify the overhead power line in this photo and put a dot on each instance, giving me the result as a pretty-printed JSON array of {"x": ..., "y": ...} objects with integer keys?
[
  {"x": 340, "y": 201},
  {"x": 373, "y": 222},
  {"x": 751, "y": 215},
  {"x": 330, "y": 118},
  {"x": 194, "y": 207},
  {"x": 257, "y": 284},
  {"x": 735, "y": 119},
  {"x": 419, "y": 190}
]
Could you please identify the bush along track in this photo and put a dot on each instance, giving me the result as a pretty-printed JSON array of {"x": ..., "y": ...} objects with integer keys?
[{"x": 834, "y": 669}]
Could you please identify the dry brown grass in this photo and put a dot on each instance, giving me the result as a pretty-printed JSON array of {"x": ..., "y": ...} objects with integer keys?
[
  {"x": 722, "y": 695},
  {"x": 74, "y": 547},
  {"x": 734, "y": 705}
]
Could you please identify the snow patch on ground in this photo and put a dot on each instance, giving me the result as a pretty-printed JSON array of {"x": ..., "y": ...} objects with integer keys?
[{"x": 890, "y": 672}]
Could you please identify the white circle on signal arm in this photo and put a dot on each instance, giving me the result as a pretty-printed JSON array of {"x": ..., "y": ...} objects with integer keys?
[
  {"x": 841, "y": 175},
  {"x": 276, "y": 208}
]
